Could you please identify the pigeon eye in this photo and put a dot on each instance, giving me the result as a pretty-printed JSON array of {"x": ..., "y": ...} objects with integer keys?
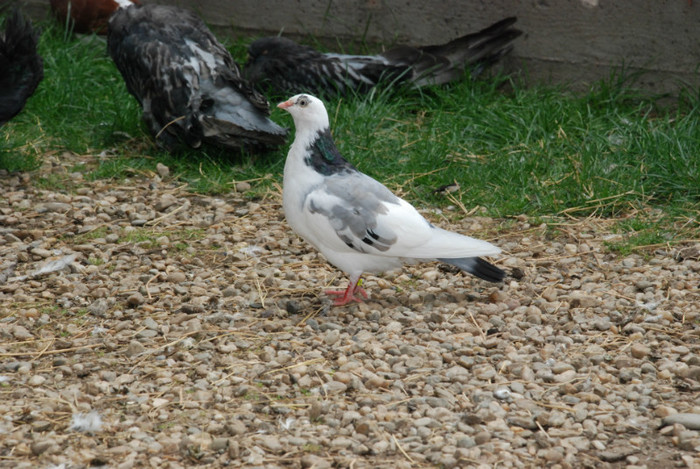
[{"x": 302, "y": 101}]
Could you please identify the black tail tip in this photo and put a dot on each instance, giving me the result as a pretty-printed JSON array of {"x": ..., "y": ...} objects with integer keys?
[
  {"x": 487, "y": 271},
  {"x": 478, "y": 267}
]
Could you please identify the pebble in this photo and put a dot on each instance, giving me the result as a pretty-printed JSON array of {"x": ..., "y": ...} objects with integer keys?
[
  {"x": 39, "y": 447},
  {"x": 271, "y": 443},
  {"x": 177, "y": 277},
  {"x": 135, "y": 348},
  {"x": 162, "y": 170},
  {"x": 311, "y": 461},
  {"x": 690, "y": 421},
  {"x": 640, "y": 351},
  {"x": 135, "y": 299}
]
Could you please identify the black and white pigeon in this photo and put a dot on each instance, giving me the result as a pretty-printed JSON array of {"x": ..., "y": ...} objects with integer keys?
[
  {"x": 283, "y": 66},
  {"x": 356, "y": 222},
  {"x": 190, "y": 88},
  {"x": 21, "y": 67}
]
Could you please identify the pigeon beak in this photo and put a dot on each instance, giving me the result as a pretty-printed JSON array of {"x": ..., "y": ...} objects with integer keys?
[{"x": 286, "y": 104}]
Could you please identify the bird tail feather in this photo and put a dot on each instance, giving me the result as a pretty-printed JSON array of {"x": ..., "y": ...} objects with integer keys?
[
  {"x": 478, "y": 267},
  {"x": 229, "y": 134},
  {"x": 443, "y": 63}
]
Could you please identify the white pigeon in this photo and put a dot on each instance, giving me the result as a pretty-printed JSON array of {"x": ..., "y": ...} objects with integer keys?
[{"x": 355, "y": 221}]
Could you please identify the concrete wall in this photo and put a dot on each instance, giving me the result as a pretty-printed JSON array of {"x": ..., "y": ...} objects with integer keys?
[{"x": 567, "y": 41}]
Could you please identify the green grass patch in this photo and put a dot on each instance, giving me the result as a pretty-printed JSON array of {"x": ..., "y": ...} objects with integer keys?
[
  {"x": 145, "y": 237},
  {"x": 653, "y": 229},
  {"x": 148, "y": 237},
  {"x": 99, "y": 232},
  {"x": 539, "y": 151}
]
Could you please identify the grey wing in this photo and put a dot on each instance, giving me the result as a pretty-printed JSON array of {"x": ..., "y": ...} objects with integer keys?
[{"x": 352, "y": 205}]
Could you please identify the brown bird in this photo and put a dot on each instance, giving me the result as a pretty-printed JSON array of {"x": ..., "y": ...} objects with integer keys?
[{"x": 87, "y": 16}]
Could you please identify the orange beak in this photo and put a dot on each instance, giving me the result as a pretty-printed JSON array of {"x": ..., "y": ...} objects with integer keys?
[{"x": 286, "y": 104}]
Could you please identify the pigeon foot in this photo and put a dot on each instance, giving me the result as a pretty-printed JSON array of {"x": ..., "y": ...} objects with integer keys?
[{"x": 354, "y": 293}]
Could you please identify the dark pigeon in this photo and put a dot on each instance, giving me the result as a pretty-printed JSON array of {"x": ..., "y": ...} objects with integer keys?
[
  {"x": 284, "y": 67},
  {"x": 190, "y": 88},
  {"x": 21, "y": 67}
]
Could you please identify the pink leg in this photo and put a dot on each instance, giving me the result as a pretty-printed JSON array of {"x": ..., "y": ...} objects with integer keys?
[{"x": 350, "y": 294}]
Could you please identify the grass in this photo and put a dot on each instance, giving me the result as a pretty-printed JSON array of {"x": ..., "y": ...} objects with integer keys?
[{"x": 539, "y": 151}]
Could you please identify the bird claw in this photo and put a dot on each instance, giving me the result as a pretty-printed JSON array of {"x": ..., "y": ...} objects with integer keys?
[{"x": 354, "y": 293}]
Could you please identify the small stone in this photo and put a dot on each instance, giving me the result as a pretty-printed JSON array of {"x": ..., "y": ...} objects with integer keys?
[
  {"x": 639, "y": 351},
  {"x": 688, "y": 440},
  {"x": 234, "y": 449},
  {"x": 176, "y": 277},
  {"x": 242, "y": 186},
  {"x": 219, "y": 444},
  {"x": 98, "y": 308},
  {"x": 39, "y": 447},
  {"x": 482, "y": 437},
  {"x": 334, "y": 387},
  {"x": 236, "y": 427},
  {"x": 664, "y": 411},
  {"x": 688, "y": 420},
  {"x": 21, "y": 333},
  {"x": 315, "y": 410},
  {"x": 363, "y": 427},
  {"x": 332, "y": 337},
  {"x": 617, "y": 454},
  {"x": 551, "y": 455},
  {"x": 57, "y": 207},
  {"x": 271, "y": 443},
  {"x": 583, "y": 300},
  {"x": 162, "y": 170},
  {"x": 43, "y": 253},
  {"x": 189, "y": 308},
  {"x": 36, "y": 380},
  {"x": 523, "y": 422},
  {"x": 39, "y": 426},
  {"x": 311, "y": 461},
  {"x": 570, "y": 248},
  {"x": 341, "y": 442},
  {"x": 135, "y": 299},
  {"x": 436, "y": 318},
  {"x": 166, "y": 201},
  {"x": 135, "y": 348}
]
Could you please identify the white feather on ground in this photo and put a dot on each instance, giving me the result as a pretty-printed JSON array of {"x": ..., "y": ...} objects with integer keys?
[{"x": 87, "y": 423}]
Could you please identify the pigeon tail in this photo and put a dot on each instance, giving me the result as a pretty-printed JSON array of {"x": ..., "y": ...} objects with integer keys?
[
  {"x": 439, "y": 64},
  {"x": 227, "y": 133},
  {"x": 21, "y": 68},
  {"x": 478, "y": 267}
]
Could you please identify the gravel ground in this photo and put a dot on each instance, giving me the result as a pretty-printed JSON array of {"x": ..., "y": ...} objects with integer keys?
[{"x": 145, "y": 326}]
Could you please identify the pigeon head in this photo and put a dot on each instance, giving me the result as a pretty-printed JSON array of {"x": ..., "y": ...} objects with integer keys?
[{"x": 308, "y": 112}]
